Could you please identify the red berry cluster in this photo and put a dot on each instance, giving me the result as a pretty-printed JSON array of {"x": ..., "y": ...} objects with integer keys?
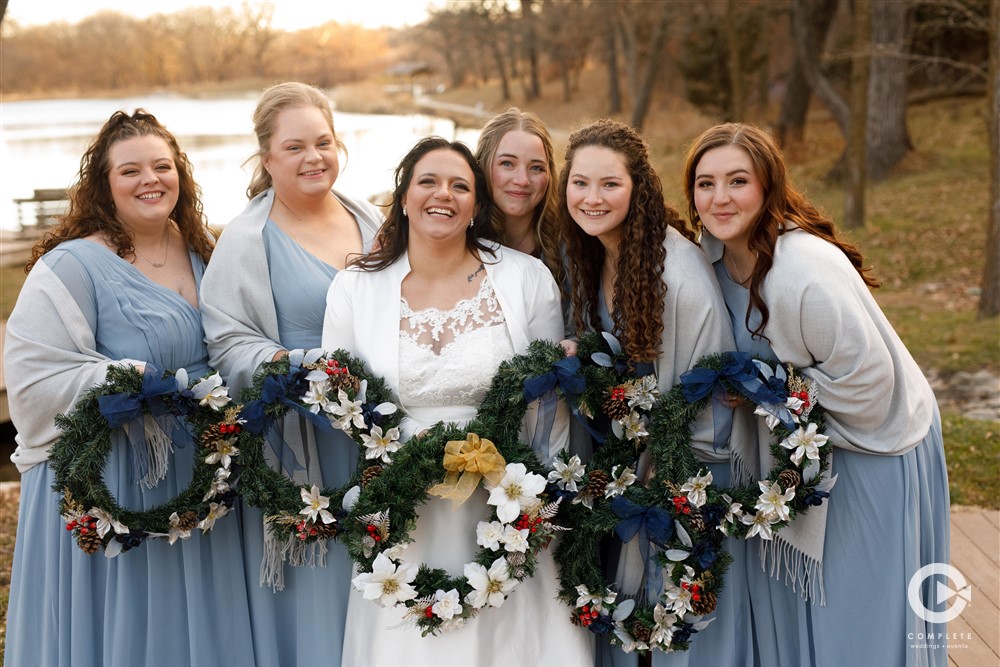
[
  {"x": 618, "y": 394},
  {"x": 802, "y": 396},
  {"x": 305, "y": 530},
  {"x": 429, "y": 613},
  {"x": 587, "y": 615},
  {"x": 85, "y": 523},
  {"x": 525, "y": 522},
  {"x": 230, "y": 429},
  {"x": 333, "y": 367},
  {"x": 694, "y": 588},
  {"x": 373, "y": 533},
  {"x": 681, "y": 505}
]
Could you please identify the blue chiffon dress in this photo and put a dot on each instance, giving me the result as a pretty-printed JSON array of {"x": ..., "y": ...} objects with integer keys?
[
  {"x": 157, "y": 605},
  {"x": 726, "y": 642},
  {"x": 888, "y": 517},
  {"x": 303, "y": 624}
]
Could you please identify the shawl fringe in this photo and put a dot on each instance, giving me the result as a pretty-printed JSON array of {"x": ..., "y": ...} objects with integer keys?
[
  {"x": 799, "y": 570},
  {"x": 278, "y": 551}
]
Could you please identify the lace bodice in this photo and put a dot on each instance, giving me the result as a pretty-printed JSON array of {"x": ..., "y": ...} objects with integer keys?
[{"x": 448, "y": 358}]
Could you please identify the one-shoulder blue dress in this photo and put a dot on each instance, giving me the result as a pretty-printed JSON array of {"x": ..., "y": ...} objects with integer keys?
[{"x": 156, "y": 605}]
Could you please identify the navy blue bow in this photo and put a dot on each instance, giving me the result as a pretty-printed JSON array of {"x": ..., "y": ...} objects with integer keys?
[
  {"x": 655, "y": 521},
  {"x": 120, "y": 409},
  {"x": 565, "y": 374}
]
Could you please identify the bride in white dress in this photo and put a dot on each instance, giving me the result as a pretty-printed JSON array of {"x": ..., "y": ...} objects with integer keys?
[{"x": 435, "y": 310}]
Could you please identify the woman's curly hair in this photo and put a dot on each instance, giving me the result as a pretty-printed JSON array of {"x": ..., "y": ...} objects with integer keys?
[
  {"x": 639, "y": 288},
  {"x": 92, "y": 205},
  {"x": 782, "y": 204}
]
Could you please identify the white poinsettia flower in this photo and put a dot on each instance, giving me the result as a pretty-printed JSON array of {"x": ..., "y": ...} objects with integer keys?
[
  {"x": 642, "y": 393},
  {"x": 379, "y": 445},
  {"x": 446, "y": 605},
  {"x": 514, "y": 539},
  {"x": 695, "y": 488},
  {"x": 733, "y": 513},
  {"x": 663, "y": 626},
  {"x": 210, "y": 391},
  {"x": 634, "y": 426},
  {"x": 176, "y": 532},
  {"x": 773, "y": 502},
  {"x": 770, "y": 420},
  {"x": 215, "y": 512},
  {"x": 628, "y": 642},
  {"x": 395, "y": 553},
  {"x": 595, "y": 600},
  {"x": 678, "y": 598},
  {"x": 760, "y": 525},
  {"x": 316, "y": 505},
  {"x": 347, "y": 412},
  {"x": 387, "y": 584},
  {"x": 220, "y": 484},
  {"x": 489, "y": 534},
  {"x": 805, "y": 443},
  {"x": 517, "y": 488},
  {"x": 224, "y": 452},
  {"x": 315, "y": 398},
  {"x": 567, "y": 474},
  {"x": 105, "y": 523},
  {"x": 490, "y": 587},
  {"x": 619, "y": 483}
]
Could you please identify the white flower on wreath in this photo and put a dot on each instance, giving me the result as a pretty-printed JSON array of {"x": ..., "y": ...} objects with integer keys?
[
  {"x": 518, "y": 488},
  {"x": 514, "y": 539},
  {"x": 176, "y": 532},
  {"x": 642, "y": 393},
  {"x": 759, "y": 524},
  {"x": 379, "y": 445},
  {"x": 596, "y": 601},
  {"x": 634, "y": 426},
  {"x": 210, "y": 391},
  {"x": 387, "y": 584},
  {"x": 215, "y": 512},
  {"x": 663, "y": 626},
  {"x": 105, "y": 522},
  {"x": 619, "y": 483},
  {"x": 346, "y": 411},
  {"x": 805, "y": 443},
  {"x": 490, "y": 587},
  {"x": 446, "y": 605},
  {"x": 695, "y": 488},
  {"x": 567, "y": 474},
  {"x": 773, "y": 502},
  {"x": 733, "y": 513},
  {"x": 316, "y": 398},
  {"x": 677, "y": 597},
  {"x": 224, "y": 452},
  {"x": 316, "y": 505},
  {"x": 628, "y": 642},
  {"x": 219, "y": 485},
  {"x": 489, "y": 534}
]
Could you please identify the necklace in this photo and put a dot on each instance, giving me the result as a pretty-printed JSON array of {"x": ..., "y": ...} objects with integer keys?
[
  {"x": 731, "y": 268},
  {"x": 166, "y": 246}
]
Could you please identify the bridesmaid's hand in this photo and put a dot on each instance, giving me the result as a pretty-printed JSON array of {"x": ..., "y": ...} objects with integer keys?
[
  {"x": 734, "y": 400},
  {"x": 569, "y": 346},
  {"x": 280, "y": 354}
]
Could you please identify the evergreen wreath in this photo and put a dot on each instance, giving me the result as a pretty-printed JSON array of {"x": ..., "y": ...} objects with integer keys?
[
  {"x": 683, "y": 522},
  {"x": 79, "y": 456},
  {"x": 385, "y": 511},
  {"x": 334, "y": 391}
]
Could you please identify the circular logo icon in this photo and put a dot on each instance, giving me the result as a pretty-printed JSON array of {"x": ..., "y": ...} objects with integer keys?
[{"x": 942, "y": 593}]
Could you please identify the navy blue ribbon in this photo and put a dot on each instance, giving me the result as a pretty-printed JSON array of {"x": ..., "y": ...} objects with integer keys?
[
  {"x": 655, "y": 528},
  {"x": 564, "y": 375},
  {"x": 120, "y": 409},
  {"x": 276, "y": 390}
]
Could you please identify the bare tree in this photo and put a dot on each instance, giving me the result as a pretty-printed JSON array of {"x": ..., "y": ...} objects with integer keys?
[
  {"x": 611, "y": 60},
  {"x": 989, "y": 301},
  {"x": 818, "y": 16},
  {"x": 533, "y": 86},
  {"x": 854, "y": 200},
  {"x": 642, "y": 28}
]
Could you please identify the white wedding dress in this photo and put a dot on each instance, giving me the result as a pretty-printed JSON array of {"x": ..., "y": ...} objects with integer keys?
[{"x": 446, "y": 363}]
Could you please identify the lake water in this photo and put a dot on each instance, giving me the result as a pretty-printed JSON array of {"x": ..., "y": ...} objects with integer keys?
[{"x": 41, "y": 142}]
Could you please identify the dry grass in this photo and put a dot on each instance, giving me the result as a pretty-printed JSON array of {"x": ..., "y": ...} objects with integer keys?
[{"x": 8, "y": 528}]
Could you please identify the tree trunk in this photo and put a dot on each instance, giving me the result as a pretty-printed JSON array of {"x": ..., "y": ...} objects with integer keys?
[
  {"x": 611, "y": 59},
  {"x": 795, "y": 103},
  {"x": 888, "y": 135},
  {"x": 989, "y": 300},
  {"x": 804, "y": 54},
  {"x": 643, "y": 96},
  {"x": 854, "y": 199},
  {"x": 734, "y": 62},
  {"x": 534, "y": 89}
]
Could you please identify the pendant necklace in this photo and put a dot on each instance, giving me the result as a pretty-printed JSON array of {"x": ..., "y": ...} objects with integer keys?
[{"x": 166, "y": 246}]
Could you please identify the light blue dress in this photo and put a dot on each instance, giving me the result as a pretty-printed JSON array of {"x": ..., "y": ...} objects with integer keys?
[
  {"x": 304, "y": 623},
  {"x": 157, "y": 605},
  {"x": 727, "y": 641},
  {"x": 888, "y": 517}
]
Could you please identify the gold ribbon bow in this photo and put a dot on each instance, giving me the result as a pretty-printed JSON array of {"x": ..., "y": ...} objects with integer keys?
[{"x": 467, "y": 462}]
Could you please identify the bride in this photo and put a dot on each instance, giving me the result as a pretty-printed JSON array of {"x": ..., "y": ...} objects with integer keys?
[{"x": 435, "y": 310}]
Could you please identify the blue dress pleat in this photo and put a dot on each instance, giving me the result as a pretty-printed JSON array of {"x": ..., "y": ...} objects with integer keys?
[{"x": 157, "y": 605}]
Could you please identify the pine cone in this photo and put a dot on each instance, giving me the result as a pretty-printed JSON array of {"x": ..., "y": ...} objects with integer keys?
[
  {"x": 704, "y": 605},
  {"x": 187, "y": 521},
  {"x": 597, "y": 482},
  {"x": 641, "y": 631},
  {"x": 345, "y": 381},
  {"x": 616, "y": 408},
  {"x": 516, "y": 559},
  {"x": 788, "y": 478},
  {"x": 370, "y": 473},
  {"x": 325, "y": 531},
  {"x": 90, "y": 541},
  {"x": 211, "y": 437},
  {"x": 696, "y": 519}
]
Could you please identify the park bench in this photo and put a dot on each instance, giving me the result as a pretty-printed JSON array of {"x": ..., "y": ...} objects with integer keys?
[{"x": 41, "y": 210}]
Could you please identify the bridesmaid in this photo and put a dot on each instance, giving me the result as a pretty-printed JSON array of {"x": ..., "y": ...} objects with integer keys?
[
  {"x": 799, "y": 294},
  {"x": 635, "y": 273},
  {"x": 116, "y": 283},
  {"x": 265, "y": 295}
]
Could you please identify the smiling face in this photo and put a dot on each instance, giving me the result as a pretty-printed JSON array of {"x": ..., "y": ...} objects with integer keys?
[
  {"x": 440, "y": 199},
  {"x": 143, "y": 181},
  {"x": 599, "y": 192},
  {"x": 519, "y": 175},
  {"x": 728, "y": 195},
  {"x": 302, "y": 158}
]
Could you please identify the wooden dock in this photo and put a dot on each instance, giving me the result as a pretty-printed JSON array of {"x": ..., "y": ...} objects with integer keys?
[{"x": 974, "y": 637}]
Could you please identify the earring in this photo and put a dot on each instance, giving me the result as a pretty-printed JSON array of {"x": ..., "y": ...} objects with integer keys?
[
  {"x": 404, "y": 211},
  {"x": 472, "y": 222}
]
